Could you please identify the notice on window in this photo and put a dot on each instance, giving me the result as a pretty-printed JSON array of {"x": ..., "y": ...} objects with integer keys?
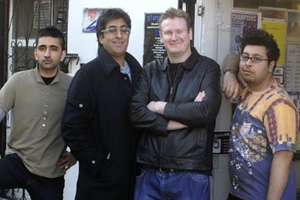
[
  {"x": 89, "y": 19},
  {"x": 278, "y": 30},
  {"x": 242, "y": 22},
  {"x": 292, "y": 69},
  {"x": 153, "y": 48}
]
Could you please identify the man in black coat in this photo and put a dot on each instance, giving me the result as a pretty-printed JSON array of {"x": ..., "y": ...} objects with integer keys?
[{"x": 95, "y": 124}]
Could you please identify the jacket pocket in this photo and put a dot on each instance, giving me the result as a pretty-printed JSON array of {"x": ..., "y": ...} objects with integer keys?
[
  {"x": 78, "y": 108},
  {"x": 78, "y": 103}
]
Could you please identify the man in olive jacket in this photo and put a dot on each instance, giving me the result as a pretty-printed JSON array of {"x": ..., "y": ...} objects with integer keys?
[{"x": 95, "y": 125}]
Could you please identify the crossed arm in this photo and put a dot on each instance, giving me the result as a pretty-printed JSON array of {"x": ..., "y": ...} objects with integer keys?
[
  {"x": 158, "y": 117},
  {"x": 159, "y": 107}
]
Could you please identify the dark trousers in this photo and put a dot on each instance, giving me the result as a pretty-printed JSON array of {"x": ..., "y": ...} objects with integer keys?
[
  {"x": 14, "y": 174},
  {"x": 231, "y": 197}
]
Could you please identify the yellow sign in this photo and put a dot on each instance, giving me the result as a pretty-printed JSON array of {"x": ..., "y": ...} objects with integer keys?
[{"x": 278, "y": 30}]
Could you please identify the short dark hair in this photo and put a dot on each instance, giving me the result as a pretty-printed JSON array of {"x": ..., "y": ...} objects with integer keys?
[
  {"x": 51, "y": 31},
  {"x": 108, "y": 15},
  {"x": 261, "y": 37},
  {"x": 172, "y": 13}
]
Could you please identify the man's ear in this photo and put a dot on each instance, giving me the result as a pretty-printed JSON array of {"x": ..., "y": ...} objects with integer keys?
[
  {"x": 160, "y": 37},
  {"x": 191, "y": 33},
  {"x": 271, "y": 66},
  {"x": 100, "y": 38},
  {"x": 34, "y": 54},
  {"x": 63, "y": 55}
]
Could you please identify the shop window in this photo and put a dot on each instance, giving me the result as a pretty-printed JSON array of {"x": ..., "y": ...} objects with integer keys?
[{"x": 254, "y": 4}]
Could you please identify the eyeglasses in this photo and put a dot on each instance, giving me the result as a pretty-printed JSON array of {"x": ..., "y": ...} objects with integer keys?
[
  {"x": 114, "y": 29},
  {"x": 253, "y": 59}
]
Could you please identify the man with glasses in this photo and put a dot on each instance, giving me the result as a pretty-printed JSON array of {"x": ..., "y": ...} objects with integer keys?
[
  {"x": 95, "y": 124},
  {"x": 264, "y": 126}
]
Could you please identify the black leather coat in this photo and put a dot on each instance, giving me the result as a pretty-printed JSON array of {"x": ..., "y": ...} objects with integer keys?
[{"x": 184, "y": 149}]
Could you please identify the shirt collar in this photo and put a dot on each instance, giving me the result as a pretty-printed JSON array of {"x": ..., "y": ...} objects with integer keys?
[{"x": 39, "y": 78}]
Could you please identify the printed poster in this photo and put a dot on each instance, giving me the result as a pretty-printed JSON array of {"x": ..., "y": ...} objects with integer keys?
[
  {"x": 274, "y": 22},
  {"x": 278, "y": 30},
  {"x": 292, "y": 69},
  {"x": 242, "y": 22},
  {"x": 153, "y": 48},
  {"x": 89, "y": 19}
]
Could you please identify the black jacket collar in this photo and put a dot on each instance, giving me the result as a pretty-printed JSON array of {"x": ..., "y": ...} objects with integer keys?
[
  {"x": 111, "y": 64},
  {"x": 188, "y": 63}
]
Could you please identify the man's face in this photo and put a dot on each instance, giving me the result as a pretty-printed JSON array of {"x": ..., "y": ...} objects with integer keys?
[
  {"x": 175, "y": 36},
  {"x": 48, "y": 54},
  {"x": 115, "y": 43},
  {"x": 256, "y": 75}
]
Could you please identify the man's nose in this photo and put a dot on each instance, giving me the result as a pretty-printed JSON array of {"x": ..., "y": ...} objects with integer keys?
[
  {"x": 119, "y": 33},
  {"x": 174, "y": 36},
  {"x": 249, "y": 62},
  {"x": 47, "y": 53}
]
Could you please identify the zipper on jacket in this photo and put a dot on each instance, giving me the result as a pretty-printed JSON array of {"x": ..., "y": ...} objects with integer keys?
[
  {"x": 174, "y": 84},
  {"x": 171, "y": 91},
  {"x": 170, "y": 99}
]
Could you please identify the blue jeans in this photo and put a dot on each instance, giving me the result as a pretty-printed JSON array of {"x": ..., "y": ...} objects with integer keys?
[
  {"x": 153, "y": 184},
  {"x": 14, "y": 174}
]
